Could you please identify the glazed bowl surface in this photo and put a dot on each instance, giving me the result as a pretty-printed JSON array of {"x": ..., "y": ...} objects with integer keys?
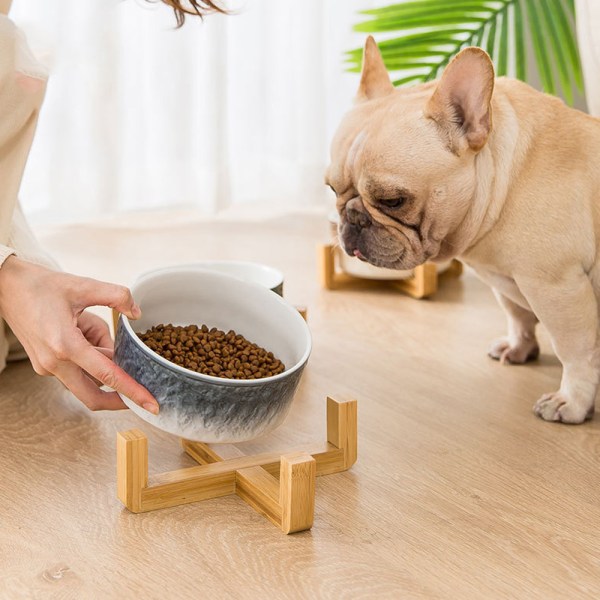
[{"x": 201, "y": 407}]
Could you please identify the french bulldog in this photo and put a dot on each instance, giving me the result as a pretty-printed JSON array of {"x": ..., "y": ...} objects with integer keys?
[{"x": 497, "y": 174}]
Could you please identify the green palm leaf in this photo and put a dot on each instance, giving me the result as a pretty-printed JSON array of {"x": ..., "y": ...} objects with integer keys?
[
  {"x": 428, "y": 33},
  {"x": 502, "y": 65}
]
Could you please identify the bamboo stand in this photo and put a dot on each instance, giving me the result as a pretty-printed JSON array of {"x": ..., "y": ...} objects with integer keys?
[
  {"x": 422, "y": 284},
  {"x": 280, "y": 487}
]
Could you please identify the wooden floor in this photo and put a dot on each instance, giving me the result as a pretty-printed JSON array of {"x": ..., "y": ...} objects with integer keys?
[{"x": 459, "y": 491}]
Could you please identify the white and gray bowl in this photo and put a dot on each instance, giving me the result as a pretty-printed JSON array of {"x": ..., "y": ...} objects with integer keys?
[{"x": 201, "y": 407}]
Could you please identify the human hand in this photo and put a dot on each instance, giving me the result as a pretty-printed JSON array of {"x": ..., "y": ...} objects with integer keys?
[{"x": 45, "y": 310}]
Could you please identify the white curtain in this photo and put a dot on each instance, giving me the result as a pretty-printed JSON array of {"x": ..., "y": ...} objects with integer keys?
[
  {"x": 231, "y": 110},
  {"x": 588, "y": 37}
]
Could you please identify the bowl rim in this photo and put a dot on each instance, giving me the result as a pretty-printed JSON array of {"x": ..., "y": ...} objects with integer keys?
[
  {"x": 206, "y": 265},
  {"x": 209, "y": 378}
]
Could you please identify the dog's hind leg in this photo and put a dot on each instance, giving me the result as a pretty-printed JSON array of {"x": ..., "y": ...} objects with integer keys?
[{"x": 520, "y": 345}]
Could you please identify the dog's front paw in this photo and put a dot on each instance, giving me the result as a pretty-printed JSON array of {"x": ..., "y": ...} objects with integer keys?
[
  {"x": 559, "y": 407},
  {"x": 525, "y": 350}
]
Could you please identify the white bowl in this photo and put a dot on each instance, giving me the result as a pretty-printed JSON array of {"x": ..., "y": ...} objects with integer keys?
[{"x": 251, "y": 272}]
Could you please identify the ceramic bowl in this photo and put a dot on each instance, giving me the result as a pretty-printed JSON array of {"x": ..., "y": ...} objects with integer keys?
[
  {"x": 251, "y": 272},
  {"x": 201, "y": 407}
]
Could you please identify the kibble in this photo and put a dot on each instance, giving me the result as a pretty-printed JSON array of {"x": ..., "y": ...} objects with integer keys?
[{"x": 212, "y": 351}]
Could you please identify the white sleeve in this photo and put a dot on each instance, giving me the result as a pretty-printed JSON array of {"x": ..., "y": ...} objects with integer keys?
[
  {"x": 24, "y": 244},
  {"x": 5, "y": 252}
]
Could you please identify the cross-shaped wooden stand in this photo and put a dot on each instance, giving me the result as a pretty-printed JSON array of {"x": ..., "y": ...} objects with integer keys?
[
  {"x": 421, "y": 284},
  {"x": 279, "y": 486}
]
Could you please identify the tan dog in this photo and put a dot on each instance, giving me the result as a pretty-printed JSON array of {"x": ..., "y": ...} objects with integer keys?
[{"x": 497, "y": 174}]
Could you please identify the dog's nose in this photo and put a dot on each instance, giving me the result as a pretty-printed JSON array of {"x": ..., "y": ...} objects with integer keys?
[{"x": 358, "y": 217}]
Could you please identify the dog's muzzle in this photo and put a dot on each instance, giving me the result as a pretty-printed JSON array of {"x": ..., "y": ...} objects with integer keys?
[
  {"x": 357, "y": 215},
  {"x": 355, "y": 221}
]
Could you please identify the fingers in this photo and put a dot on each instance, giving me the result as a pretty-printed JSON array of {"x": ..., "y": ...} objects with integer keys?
[
  {"x": 108, "y": 352},
  {"x": 103, "y": 369},
  {"x": 85, "y": 389},
  {"x": 99, "y": 293},
  {"x": 95, "y": 330},
  {"x": 105, "y": 341}
]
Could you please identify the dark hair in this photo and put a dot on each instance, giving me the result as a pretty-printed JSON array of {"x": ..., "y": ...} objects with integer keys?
[{"x": 198, "y": 8}]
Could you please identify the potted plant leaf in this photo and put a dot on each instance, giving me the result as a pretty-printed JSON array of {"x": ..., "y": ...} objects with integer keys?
[{"x": 421, "y": 36}]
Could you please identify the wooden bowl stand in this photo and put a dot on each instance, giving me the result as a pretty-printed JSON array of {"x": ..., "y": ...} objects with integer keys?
[
  {"x": 279, "y": 486},
  {"x": 422, "y": 284}
]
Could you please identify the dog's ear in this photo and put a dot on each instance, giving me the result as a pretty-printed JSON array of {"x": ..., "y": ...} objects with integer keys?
[
  {"x": 374, "y": 79},
  {"x": 461, "y": 103}
]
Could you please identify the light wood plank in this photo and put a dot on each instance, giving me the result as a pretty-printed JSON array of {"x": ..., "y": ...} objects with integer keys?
[
  {"x": 132, "y": 468},
  {"x": 201, "y": 487},
  {"x": 342, "y": 427},
  {"x": 459, "y": 491},
  {"x": 254, "y": 485},
  {"x": 297, "y": 492},
  {"x": 261, "y": 491}
]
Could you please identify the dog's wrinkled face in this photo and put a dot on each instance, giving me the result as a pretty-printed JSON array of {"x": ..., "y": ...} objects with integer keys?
[
  {"x": 393, "y": 179},
  {"x": 403, "y": 163}
]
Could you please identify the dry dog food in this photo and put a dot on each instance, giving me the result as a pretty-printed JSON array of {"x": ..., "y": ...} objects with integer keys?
[{"x": 212, "y": 351}]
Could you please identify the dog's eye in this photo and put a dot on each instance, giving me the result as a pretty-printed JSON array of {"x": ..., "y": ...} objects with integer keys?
[{"x": 393, "y": 202}]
